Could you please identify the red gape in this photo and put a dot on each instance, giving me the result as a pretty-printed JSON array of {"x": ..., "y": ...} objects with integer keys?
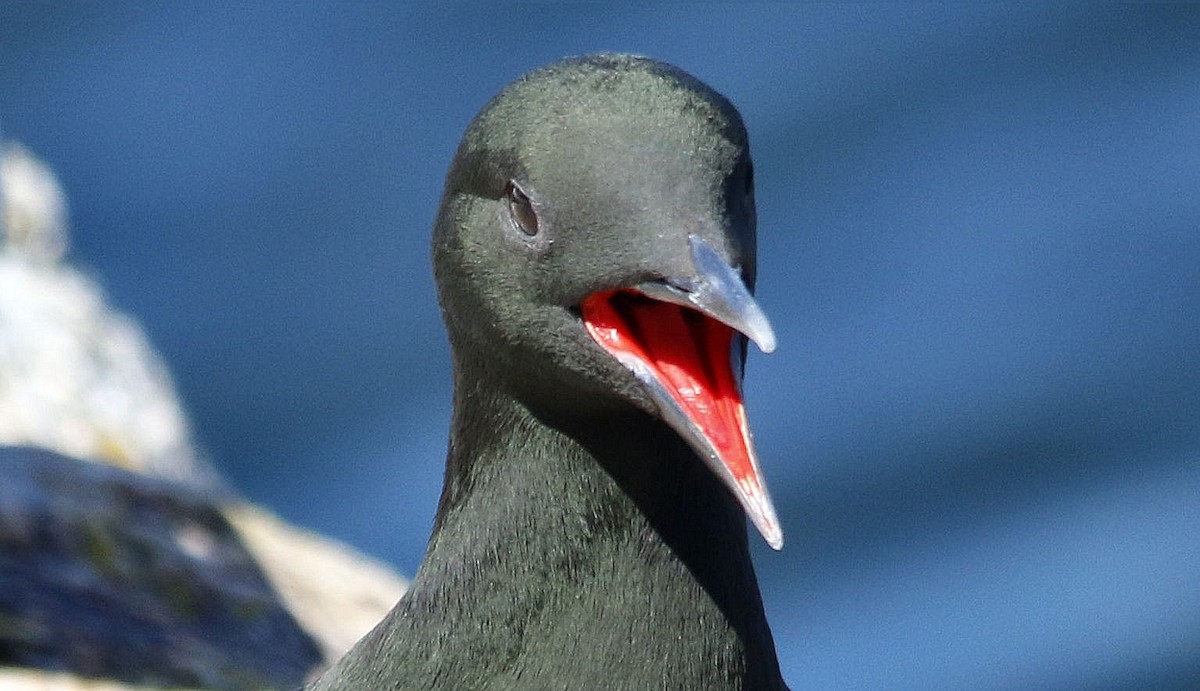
[{"x": 689, "y": 353}]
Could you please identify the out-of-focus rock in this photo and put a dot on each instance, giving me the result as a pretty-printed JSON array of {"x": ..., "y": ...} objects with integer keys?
[
  {"x": 33, "y": 209},
  {"x": 76, "y": 375},
  {"x": 149, "y": 574},
  {"x": 27, "y": 679},
  {"x": 335, "y": 593},
  {"x": 112, "y": 574}
]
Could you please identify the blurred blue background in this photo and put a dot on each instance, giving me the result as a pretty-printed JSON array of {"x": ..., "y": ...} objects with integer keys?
[{"x": 980, "y": 249}]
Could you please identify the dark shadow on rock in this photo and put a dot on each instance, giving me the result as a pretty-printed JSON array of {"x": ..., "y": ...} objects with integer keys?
[{"x": 110, "y": 574}]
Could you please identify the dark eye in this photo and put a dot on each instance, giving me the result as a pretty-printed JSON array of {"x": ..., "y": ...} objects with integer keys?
[{"x": 520, "y": 209}]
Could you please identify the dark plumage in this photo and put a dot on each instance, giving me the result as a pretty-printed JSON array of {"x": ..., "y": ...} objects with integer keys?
[{"x": 589, "y": 533}]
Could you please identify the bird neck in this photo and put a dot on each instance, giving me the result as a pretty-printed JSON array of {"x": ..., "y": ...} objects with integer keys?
[{"x": 580, "y": 551}]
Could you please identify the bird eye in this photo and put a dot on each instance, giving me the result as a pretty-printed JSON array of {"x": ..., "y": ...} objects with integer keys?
[{"x": 520, "y": 210}]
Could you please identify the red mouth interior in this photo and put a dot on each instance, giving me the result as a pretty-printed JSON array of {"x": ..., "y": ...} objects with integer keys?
[{"x": 689, "y": 354}]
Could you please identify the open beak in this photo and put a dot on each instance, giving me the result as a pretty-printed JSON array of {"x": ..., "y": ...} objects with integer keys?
[{"x": 679, "y": 337}]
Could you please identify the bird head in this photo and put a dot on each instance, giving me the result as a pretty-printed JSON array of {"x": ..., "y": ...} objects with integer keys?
[{"x": 595, "y": 250}]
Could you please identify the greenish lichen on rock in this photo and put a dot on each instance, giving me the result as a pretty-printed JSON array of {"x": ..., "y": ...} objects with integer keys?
[{"x": 102, "y": 586}]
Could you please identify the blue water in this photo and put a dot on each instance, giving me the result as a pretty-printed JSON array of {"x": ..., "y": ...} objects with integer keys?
[{"x": 980, "y": 247}]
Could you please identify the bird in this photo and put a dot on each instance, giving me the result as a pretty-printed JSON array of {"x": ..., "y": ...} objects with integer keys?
[{"x": 594, "y": 254}]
